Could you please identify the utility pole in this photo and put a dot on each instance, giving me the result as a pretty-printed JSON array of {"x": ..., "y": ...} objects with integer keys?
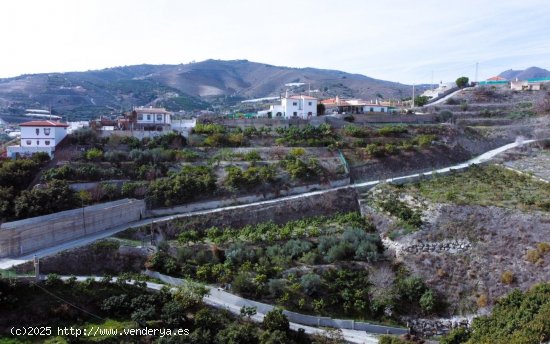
[{"x": 413, "y": 99}]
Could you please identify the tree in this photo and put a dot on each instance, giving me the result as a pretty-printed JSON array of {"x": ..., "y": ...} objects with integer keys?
[
  {"x": 275, "y": 320},
  {"x": 462, "y": 82},
  {"x": 421, "y": 100}
]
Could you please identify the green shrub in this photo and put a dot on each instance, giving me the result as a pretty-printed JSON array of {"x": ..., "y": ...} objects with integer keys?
[
  {"x": 252, "y": 156},
  {"x": 375, "y": 150},
  {"x": 392, "y": 130},
  {"x": 310, "y": 283},
  {"x": 208, "y": 129},
  {"x": 94, "y": 154}
]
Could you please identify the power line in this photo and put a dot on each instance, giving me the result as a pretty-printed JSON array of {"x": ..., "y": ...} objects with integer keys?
[{"x": 67, "y": 302}]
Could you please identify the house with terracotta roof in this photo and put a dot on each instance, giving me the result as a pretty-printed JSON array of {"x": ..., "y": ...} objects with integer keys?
[
  {"x": 39, "y": 136},
  {"x": 299, "y": 106},
  {"x": 495, "y": 80}
]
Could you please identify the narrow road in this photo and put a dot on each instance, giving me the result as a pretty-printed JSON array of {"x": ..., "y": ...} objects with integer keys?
[
  {"x": 6, "y": 263},
  {"x": 234, "y": 304},
  {"x": 439, "y": 101}
]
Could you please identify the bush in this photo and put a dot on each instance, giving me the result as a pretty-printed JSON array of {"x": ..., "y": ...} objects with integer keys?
[
  {"x": 252, "y": 156},
  {"x": 507, "y": 277},
  {"x": 392, "y": 130},
  {"x": 94, "y": 154},
  {"x": 190, "y": 182},
  {"x": 411, "y": 289},
  {"x": 310, "y": 283},
  {"x": 425, "y": 140},
  {"x": 456, "y": 336},
  {"x": 275, "y": 320},
  {"x": 238, "y": 253},
  {"x": 462, "y": 82},
  {"x": 208, "y": 129},
  {"x": 375, "y": 150},
  {"x": 427, "y": 302}
]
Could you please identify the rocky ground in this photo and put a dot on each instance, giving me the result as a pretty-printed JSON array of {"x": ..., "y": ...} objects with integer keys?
[{"x": 471, "y": 254}]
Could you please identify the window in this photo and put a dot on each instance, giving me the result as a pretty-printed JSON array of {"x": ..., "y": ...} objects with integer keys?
[
  {"x": 38, "y": 142},
  {"x": 140, "y": 117},
  {"x": 309, "y": 103},
  {"x": 294, "y": 103},
  {"x": 148, "y": 117},
  {"x": 279, "y": 114},
  {"x": 28, "y": 142},
  {"x": 47, "y": 142},
  {"x": 47, "y": 131},
  {"x": 381, "y": 109},
  {"x": 310, "y": 113},
  {"x": 37, "y": 131},
  {"x": 371, "y": 109},
  {"x": 159, "y": 118},
  {"x": 294, "y": 114}
]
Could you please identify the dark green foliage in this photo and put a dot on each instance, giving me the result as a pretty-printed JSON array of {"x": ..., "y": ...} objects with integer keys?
[
  {"x": 275, "y": 320},
  {"x": 354, "y": 244},
  {"x": 348, "y": 291},
  {"x": 238, "y": 334},
  {"x": 456, "y": 336},
  {"x": 391, "y": 130},
  {"x": 462, "y": 82},
  {"x": 15, "y": 176},
  {"x": 421, "y": 100},
  {"x": 181, "y": 187},
  {"x": 310, "y": 283},
  {"x": 306, "y": 136},
  {"x": 84, "y": 136},
  {"x": 517, "y": 318},
  {"x": 402, "y": 211},
  {"x": 249, "y": 178},
  {"x": 56, "y": 196}
]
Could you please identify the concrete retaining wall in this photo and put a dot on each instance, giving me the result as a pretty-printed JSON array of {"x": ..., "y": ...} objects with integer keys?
[
  {"x": 29, "y": 235},
  {"x": 276, "y": 210},
  {"x": 198, "y": 206}
]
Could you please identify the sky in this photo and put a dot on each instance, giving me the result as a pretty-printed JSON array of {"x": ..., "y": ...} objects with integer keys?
[{"x": 403, "y": 41}]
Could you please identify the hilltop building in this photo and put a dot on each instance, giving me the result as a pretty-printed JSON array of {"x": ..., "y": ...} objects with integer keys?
[
  {"x": 39, "y": 136},
  {"x": 301, "y": 106},
  {"x": 146, "y": 118}
]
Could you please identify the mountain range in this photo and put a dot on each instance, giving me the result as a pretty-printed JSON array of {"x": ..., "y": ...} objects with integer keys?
[
  {"x": 529, "y": 73},
  {"x": 206, "y": 84}
]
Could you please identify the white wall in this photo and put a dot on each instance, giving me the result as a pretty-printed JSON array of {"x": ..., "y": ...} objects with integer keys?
[
  {"x": 56, "y": 134},
  {"x": 153, "y": 119}
]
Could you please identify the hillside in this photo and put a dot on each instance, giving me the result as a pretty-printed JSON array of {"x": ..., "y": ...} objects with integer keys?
[
  {"x": 178, "y": 87},
  {"x": 529, "y": 73}
]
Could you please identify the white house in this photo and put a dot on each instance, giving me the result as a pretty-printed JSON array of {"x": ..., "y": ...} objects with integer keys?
[
  {"x": 293, "y": 107},
  {"x": 39, "y": 136},
  {"x": 151, "y": 115}
]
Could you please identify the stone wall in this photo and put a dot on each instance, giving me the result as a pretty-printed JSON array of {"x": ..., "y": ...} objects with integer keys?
[
  {"x": 446, "y": 246},
  {"x": 436, "y": 327},
  {"x": 26, "y": 236}
]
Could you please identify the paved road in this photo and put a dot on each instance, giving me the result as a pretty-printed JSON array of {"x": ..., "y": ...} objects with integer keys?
[
  {"x": 439, "y": 101},
  {"x": 6, "y": 263},
  {"x": 221, "y": 299}
]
